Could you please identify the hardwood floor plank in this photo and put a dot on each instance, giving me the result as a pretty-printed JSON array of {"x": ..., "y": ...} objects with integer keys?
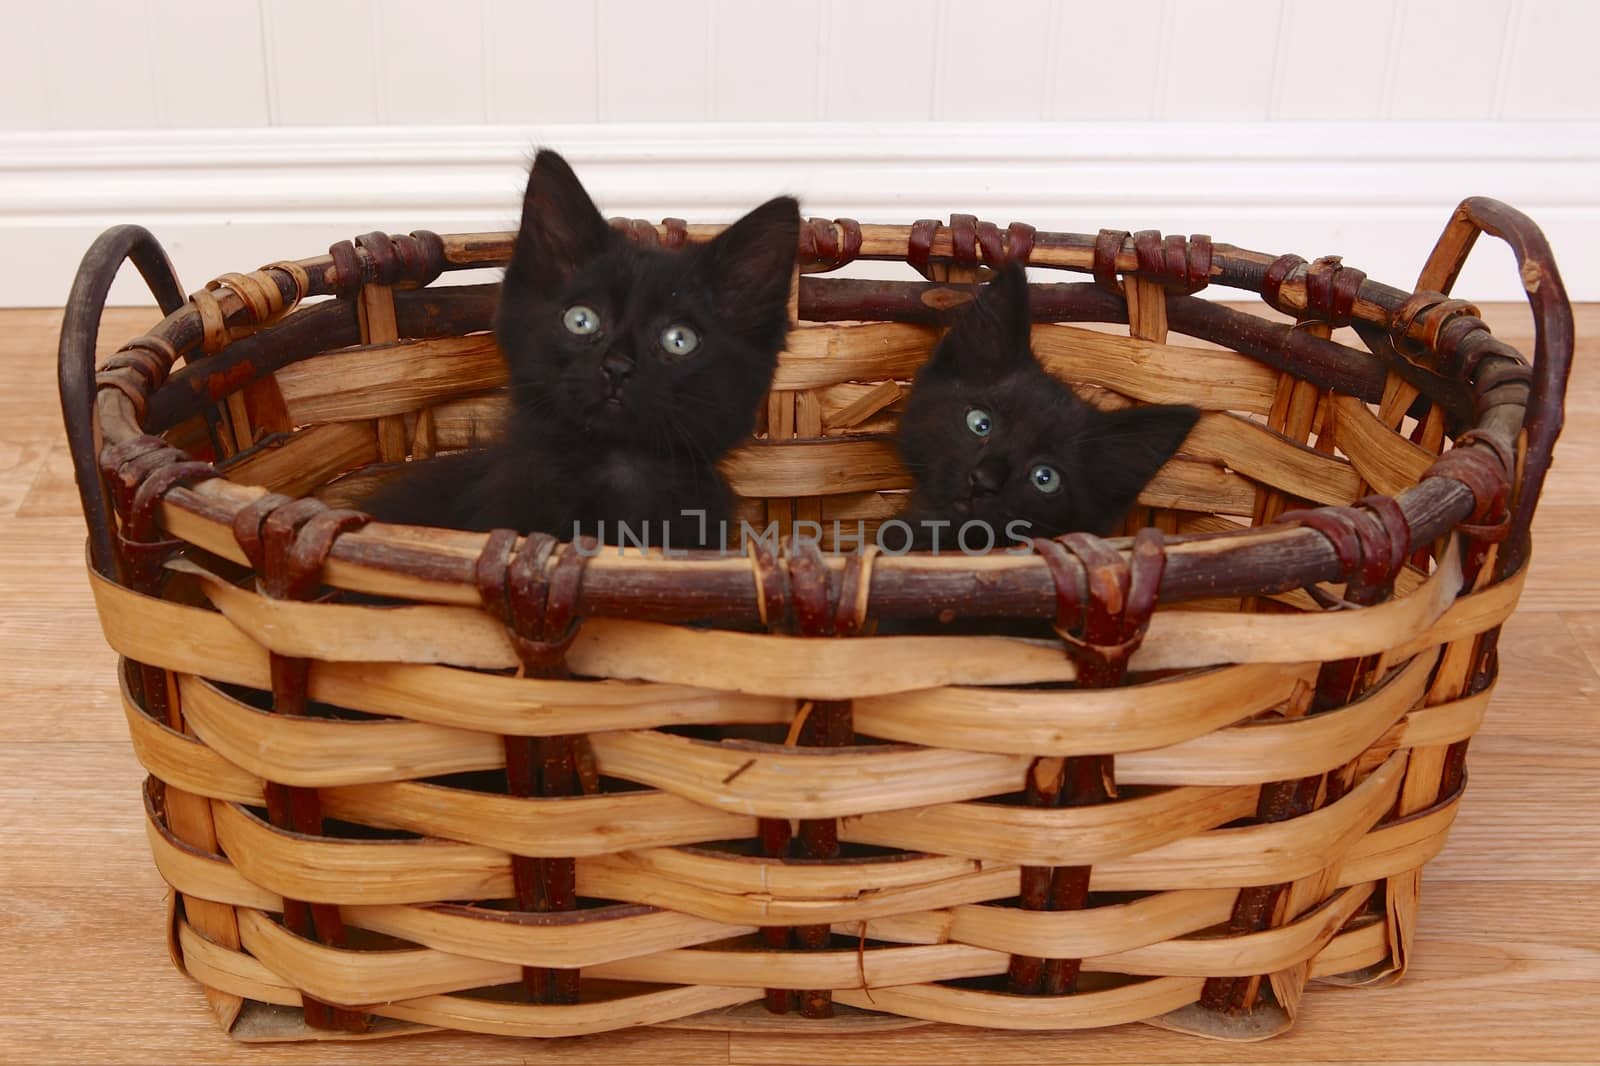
[
  {"x": 1585, "y": 629},
  {"x": 53, "y": 492},
  {"x": 1565, "y": 567},
  {"x": 20, "y": 465},
  {"x": 1547, "y": 685}
]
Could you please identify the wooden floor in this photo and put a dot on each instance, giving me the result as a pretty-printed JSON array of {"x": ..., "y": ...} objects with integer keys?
[{"x": 1507, "y": 962}]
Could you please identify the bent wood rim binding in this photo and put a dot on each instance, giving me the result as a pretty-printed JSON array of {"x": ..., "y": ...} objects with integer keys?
[{"x": 378, "y": 561}]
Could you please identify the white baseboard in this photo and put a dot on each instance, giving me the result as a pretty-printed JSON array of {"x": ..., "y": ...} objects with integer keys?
[{"x": 1378, "y": 194}]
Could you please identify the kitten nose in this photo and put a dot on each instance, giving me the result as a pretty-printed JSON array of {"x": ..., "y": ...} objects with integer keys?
[
  {"x": 616, "y": 369},
  {"x": 988, "y": 477}
]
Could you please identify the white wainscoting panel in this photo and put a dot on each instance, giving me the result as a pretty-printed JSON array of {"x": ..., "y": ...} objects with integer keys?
[
  {"x": 1376, "y": 193},
  {"x": 654, "y": 61},
  {"x": 1221, "y": 60},
  {"x": 1452, "y": 59},
  {"x": 136, "y": 64},
  {"x": 877, "y": 60},
  {"x": 986, "y": 68},
  {"x": 435, "y": 76},
  {"x": 1107, "y": 63},
  {"x": 540, "y": 61},
  {"x": 322, "y": 66},
  {"x": 763, "y": 75},
  {"x": 1335, "y": 60},
  {"x": 1551, "y": 67}
]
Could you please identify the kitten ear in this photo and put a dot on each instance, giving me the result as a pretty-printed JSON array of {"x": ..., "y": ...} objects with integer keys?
[
  {"x": 1124, "y": 449},
  {"x": 990, "y": 333},
  {"x": 747, "y": 266},
  {"x": 561, "y": 228}
]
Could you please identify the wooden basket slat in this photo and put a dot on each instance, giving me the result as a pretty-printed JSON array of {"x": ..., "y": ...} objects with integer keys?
[
  {"x": 437, "y": 695},
  {"x": 1404, "y": 845},
  {"x": 850, "y": 408},
  {"x": 1087, "y": 933},
  {"x": 389, "y": 379},
  {"x": 1258, "y": 453},
  {"x": 835, "y": 466},
  {"x": 244, "y": 975},
  {"x": 1252, "y": 753},
  {"x": 1446, "y": 723},
  {"x": 201, "y": 874},
  {"x": 247, "y": 976},
  {"x": 957, "y": 1006},
  {"x": 812, "y": 969},
  {"x": 185, "y": 762},
  {"x": 466, "y": 422},
  {"x": 1187, "y": 485},
  {"x": 1176, "y": 640},
  {"x": 321, "y": 870},
  {"x": 1306, "y": 746},
  {"x": 307, "y": 459},
  {"x": 1282, "y": 851},
  {"x": 1297, "y": 941},
  {"x": 1380, "y": 853},
  {"x": 1351, "y": 952},
  {"x": 604, "y": 935},
  {"x": 524, "y": 1020},
  {"x": 1149, "y": 716},
  {"x": 1069, "y": 836},
  {"x": 1295, "y": 932},
  {"x": 354, "y": 977},
  {"x": 1208, "y": 378},
  {"x": 344, "y": 976},
  {"x": 807, "y": 784},
  {"x": 1385, "y": 461},
  {"x": 233, "y": 971},
  {"x": 320, "y": 752},
  {"x": 816, "y": 356},
  {"x": 592, "y": 825},
  {"x": 387, "y": 872}
]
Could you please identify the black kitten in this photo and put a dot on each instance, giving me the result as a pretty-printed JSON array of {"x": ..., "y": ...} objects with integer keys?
[
  {"x": 990, "y": 437},
  {"x": 633, "y": 371}
]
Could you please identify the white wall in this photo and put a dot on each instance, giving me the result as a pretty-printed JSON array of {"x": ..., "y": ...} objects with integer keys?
[
  {"x": 1279, "y": 124},
  {"x": 168, "y": 64}
]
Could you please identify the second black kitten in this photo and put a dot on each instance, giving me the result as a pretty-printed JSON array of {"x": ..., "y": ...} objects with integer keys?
[
  {"x": 633, "y": 370},
  {"x": 990, "y": 437}
]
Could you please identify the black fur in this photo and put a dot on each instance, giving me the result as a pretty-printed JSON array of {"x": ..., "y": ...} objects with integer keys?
[
  {"x": 609, "y": 427},
  {"x": 984, "y": 363}
]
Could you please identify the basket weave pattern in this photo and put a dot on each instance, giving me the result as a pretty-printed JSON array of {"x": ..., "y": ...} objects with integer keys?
[{"x": 529, "y": 801}]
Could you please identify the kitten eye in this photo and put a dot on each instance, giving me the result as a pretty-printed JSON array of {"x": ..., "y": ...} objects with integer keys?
[
  {"x": 581, "y": 320},
  {"x": 979, "y": 422},
  {"x": 679, "y": 340},
  {"x": 1045, "y": 478}
]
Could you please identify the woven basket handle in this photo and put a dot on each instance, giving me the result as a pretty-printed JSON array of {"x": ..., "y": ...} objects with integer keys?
[
  {"x": 80, "y": 329},
  {"x": 1552, "y": 325}
]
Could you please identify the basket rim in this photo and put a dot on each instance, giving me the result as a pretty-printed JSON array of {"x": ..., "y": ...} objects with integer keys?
[{"x": 437, "y": 565}]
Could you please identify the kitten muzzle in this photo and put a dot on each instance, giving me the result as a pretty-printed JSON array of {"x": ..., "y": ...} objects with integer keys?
[
  {"x": 988, "y": 477},
  {"x": 615, "y": 370}
]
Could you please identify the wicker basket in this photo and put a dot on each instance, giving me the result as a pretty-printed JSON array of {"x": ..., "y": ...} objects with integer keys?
[{"x": 532, "y": 801}]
